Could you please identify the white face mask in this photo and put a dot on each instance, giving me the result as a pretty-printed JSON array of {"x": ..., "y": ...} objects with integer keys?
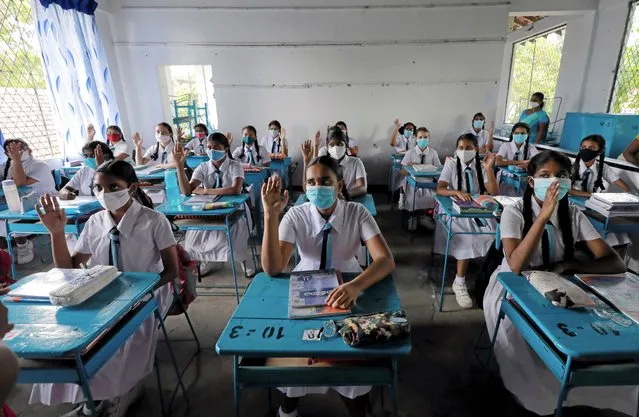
[
  {"x": 163, "y": 139},
  {"x": 534, "y": 104},
  {"x": 337, "y": 152},
  {"x": 113, "y": 201},
  {"x": 273, "y": 133},
  {"x": 25, "y": 156},
  {"x": 465, "y": 156}
]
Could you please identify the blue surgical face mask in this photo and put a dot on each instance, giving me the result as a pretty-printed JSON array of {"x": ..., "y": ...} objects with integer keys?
[
  {"x": 215, "y": 155},
  {"x": 248, "y": 140},
  {"x": 321, "y": 196},
  {"x": 520, "y": 138},
  {"x": 90, "y": 162},
  {"x": 542, "y": 184},
  {"x": 478, "y": 124},
  {"x": 422, "y": 143},
  {"x": 408, "y": 134}
]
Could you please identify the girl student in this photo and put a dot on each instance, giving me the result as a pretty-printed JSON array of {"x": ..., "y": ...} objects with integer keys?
[
  {"x": 461, "y": 178},
  {"x": 353, "y": 149},
  {"x": 275, "y": 142},
  {"x": 591, "y": 175},
  {"x": 354, "y": 173},
  {"x": 420, "y": 154},
  {"x": 328, "y": 232},
  {"x": 197, "y": 145},
  {"x": 516, "y": 153},
  {"x": 122, "y": 150},
  {"x": 81, "y": 184},
  {"x": 25, "y": 171},
  {"x": 401, "y": 135},
  {"x": 160, "y": 155},
  {"x": 250, "y": 152},
  {"x": 143, "y": 242},
  {"x": 540, "y": 233},
  {"x": 222, "y": 175},
  {"x": 484, "y": 137}
]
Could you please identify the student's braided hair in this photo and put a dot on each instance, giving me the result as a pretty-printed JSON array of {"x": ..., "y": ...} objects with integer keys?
[
  {"x": 601, "y": 142},
  {"x": 334, "y": 166},
  {"x": 125, "y": 172},
  {"x": 7, "y": 166},
  {"x": 157, "y": 145},
  {"x": 480, "y": 174},
  {"x": 563, "y": 210},
  {"x": 512, "y": 132},
  {"x": 257, "y": 145}
]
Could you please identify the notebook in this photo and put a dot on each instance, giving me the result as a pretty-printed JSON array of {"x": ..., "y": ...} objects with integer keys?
[
  {"x": 308, "y": 291},
  {"x": 620, "y": 290}
]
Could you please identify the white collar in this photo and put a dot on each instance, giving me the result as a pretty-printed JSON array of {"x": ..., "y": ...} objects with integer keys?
[
  {"x": 128, "y": 220},
  {"x": 336, "y": 220},
  {"x": 420, "y": 152},
  {"x": 224, "y": 165}
]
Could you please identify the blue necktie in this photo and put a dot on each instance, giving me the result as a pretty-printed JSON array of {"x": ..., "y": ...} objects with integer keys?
[
  {"x": 469, "y": 180},
  {"x": 202, "y": 148},
  {"x": 276, "y": 146},
  {"x": 326, "y": 259},
  {"x": 548, "y": 244},
  {"x": 165, "y": 157},
  {"x": 423, "y": 156},
  {"x": 586, "y": 178},
  {"x": 517, "y": 156},
  {"x": 251, "y": 161},
  {"x": 114, "y": 247}
]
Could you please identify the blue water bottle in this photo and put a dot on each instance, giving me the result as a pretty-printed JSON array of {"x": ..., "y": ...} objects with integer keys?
[{"x": 172, "y": 187}]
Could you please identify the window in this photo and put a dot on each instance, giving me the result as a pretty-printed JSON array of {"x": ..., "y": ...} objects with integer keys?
[
  {"x": 25, "y": 105},
  {"x": 534, "y": 67},
  {"x": 625, "y": 95}
]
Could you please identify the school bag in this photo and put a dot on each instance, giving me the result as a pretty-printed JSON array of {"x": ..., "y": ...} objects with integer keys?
[
  {"x": 187, "y": 290},
  {"x": 5, "y": 268},
  {"x": 493, "y": 259}
]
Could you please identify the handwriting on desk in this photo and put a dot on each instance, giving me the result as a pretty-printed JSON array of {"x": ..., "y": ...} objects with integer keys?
[{"x": 268, "y": 332}]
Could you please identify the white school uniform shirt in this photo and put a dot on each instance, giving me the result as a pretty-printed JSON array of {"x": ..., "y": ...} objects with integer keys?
[
  {"x": 449, "y": 175},
  {"x": 510, "y": 152},
  {"x": 352, "y": 223},
  {"x": 37, "y": 170},
  {"x": 414, "y": 156},
  {"x": 123, "y": 147},
  {"x": 523, "y": 374},
  {"x": 230, "y": 169},
  {"x": 164, "y": 154},
  {"x": 482, "y": 136},
  {"x": 267, "y": 143},
  {"x": 82, "y": 181},
  {"x": 352, "y": 170},
  {"x": 403, "y": 144},
  {"x": 264, "y": 159},
  {"x": 609, "y": 176},
  {"x": 197, "y": 146}
]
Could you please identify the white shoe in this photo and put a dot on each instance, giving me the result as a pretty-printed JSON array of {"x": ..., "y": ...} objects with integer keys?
[
  {"x": 248, "y": 271},
  {"x": 119, "y": 406},
  {"x": 462, "y": 296},
  {"x": 402, "y": 201},
  {"x": 24, "y": 253},
  {"x": 427, "y": 222},
  {"x": 208, "y": 267},
  {"x": 82, "y": 410},
  {"x": 294, "y": 413}
]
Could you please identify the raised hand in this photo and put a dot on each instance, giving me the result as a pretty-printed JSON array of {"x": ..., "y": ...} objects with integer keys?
[
  {"x": 98, "y": 153},
  {"x": 550, "y": 201},
  {"x": 229, "y": 137},
  {"x": 318, "y": 137},
  {"x": 491, "y": 130},
  {"x": 51, "y": 215},
  {"x": 179, "y": 156},
  {"x": 307, "y": 151},
  {"x": 137, "y": 139},
  {"x": 283, "y": 134},
  {"x": 90, "y": 132},
  {"x": 397, "y": 123},
  {"x": 14, "y": 151},
  {"x": 272, "y": 202},
  {"x": 180, "y": 133},
  {"x": 488, "y": 162}
]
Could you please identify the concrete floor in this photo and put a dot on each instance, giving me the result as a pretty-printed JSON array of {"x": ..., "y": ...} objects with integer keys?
[{"x": 441, "y": 377}]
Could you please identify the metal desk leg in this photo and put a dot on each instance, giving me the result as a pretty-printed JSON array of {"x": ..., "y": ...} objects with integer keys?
[
  {"x": 253, "y": 250},
  {"x": 491, "y": 349},
  {"x": 84, "y": 382},
  {"x": 236, "y": 387},
  {"x": 258, "y": 210},
  {"x": 10, "y": 250},
  {"x": 228, "y": 237},
  {"x": 394, "y": 390},
  {"x": 443, "y": 283},
  {"x": 563, "y": 392},
  {"x": 172, "y": 355},
  {"x": 157, "y": 374}
]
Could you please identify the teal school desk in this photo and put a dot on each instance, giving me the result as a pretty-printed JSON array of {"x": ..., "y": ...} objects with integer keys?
[
  {"x": 260, "y": 328},
  {"x": 419, "y": 180},
  {"x": 281, "y": 166}
]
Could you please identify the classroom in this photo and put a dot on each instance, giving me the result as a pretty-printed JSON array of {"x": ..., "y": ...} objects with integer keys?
[{"x": 291, "y": 208}]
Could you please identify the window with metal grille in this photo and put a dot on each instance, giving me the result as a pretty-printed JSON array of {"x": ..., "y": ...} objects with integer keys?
[
  {"x": 25, "y": 105},
  {"x": 625, "y": 94},
  {"x": 534, "y": 67}
]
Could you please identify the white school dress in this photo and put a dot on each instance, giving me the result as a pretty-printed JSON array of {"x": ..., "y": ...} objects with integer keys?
[
  {"x": 123, "y": 147},
  {"x": 425, "y": 197},
  {"x": 37, "y": 170},
  {"x": 250, "y": 155},
  {"x": 522, "y": 372},
  {"x": 586, "y": 182},
  {"x": 273, "y": 145},
  {"x": 143, "y": 234},
  {"x": 164, "y": 155},
  {"x": 482, "y": 136},
  {"x": 212, "y": 246},
  {"x": 197, "y": 146},
  {"x": 464, "y": 246},
  {"x": 302, "y": 226}
]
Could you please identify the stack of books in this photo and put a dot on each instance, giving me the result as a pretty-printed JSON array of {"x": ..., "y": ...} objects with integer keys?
[
  {"x": 307, "y": 293},
  {"x": 614, "y": 204},
  {"x": 424, "y": 169},
  {"x": 147, "y": 170}
]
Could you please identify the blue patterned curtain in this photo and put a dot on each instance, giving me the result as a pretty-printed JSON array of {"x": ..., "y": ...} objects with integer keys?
[{"x": 77, "y": 73}]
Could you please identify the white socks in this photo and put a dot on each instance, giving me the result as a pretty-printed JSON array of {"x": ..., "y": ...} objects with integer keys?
[
  {"x": 460, "y": 280},
  {"x": 281, "y": 413}
]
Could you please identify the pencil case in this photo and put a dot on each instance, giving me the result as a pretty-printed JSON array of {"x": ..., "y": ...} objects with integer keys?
[
  {"x": 82, "y": 287},
  {"x": 375, "y": 328},
  {"x": 218, "y": 205}
]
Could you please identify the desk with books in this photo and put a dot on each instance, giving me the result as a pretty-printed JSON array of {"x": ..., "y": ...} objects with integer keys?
[
  {"x": 605, "y": 217},
  {"x": 421, "y": 176},
  {"x": 260, "y": 328}
]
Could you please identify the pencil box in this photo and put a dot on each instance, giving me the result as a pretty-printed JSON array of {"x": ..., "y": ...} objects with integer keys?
[
  {"x": 84, "y": 286},
  {"x": 375, "y": 328}
]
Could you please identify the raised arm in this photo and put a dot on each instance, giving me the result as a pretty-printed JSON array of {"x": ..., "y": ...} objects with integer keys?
[
  {"x": 395, "y": 132},
  {"x": 139, "y": 151},
  {"x": 491, "y": 181},
  {"x": 491, "y": 134},
  {"x": 186, "y": 187},
  {"x": 275, "y": 253},
  {"x": 631, "y": 151},
  {"x": 307, "y": 152}
]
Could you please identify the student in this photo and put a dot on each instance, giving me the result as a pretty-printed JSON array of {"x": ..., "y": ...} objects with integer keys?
[
  {"x": 517, "y": 153},
  {"x": 197, "y": 145},
  {"x": 353, "y": 170},
  {"x": 222, "y": 175},
  {"x": 461, "y": 178},
  {"x": 275, "y": 142},
  {"x": 484, "y": 137},
  {"x": 420, "y": 154},
  {"x": 631, "y": 153},
  {"x": 25, "y": 171},
  {"x": 250, "y": 152},
  {"x": 348, "y": 224},
  {"x": 401, "y": 136},
  {"x": 81, "y": 184},
  {"x": 536, "y": 118},
  {"x": 353, "y": 149},
  {"x": 545, "y": 211},
  {"x": 591, "y": 176},
  {"x": 122, "y": 149},
  {"x": 146, "y": 244},
  {"x": 160, "y": 155}
]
